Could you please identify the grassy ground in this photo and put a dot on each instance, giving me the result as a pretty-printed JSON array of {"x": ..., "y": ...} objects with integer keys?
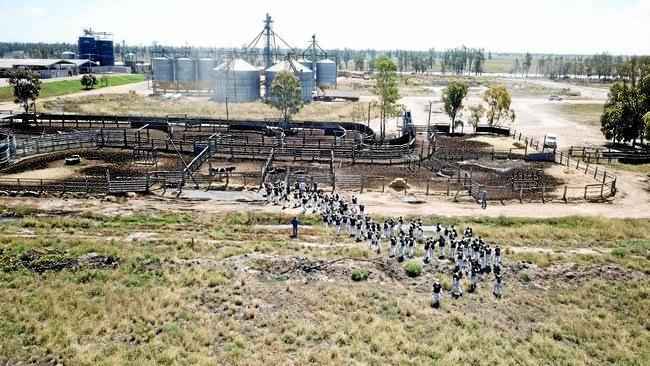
[
  {"x": 57, "y": 88},
  {"x": 236, "y": 295},
  {"x": 636, "y": 168},
  {"x": 140, "y": 105},
  {"x": 587, "y": 113}
]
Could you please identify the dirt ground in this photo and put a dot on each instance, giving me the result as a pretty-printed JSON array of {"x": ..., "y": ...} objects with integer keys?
[{"x": 94, "y": 163}]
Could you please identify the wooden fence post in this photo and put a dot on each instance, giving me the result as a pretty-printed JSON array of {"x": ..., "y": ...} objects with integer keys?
[
  {"x": 585, "y": 192},
  {"x": 564, "y": 195}
]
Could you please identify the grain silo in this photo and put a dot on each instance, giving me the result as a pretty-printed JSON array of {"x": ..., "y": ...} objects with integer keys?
[
  {"x": 237, "y": 81},
  {"x": 67, "y": 55},
  {"x": 205, "y": 67},
  {"x": 163, "y": 72},
  {"x": 186, "y": 72},
  {"x": 304, "y": 75},
  {"x": 306, "y": 63},
  {"x": 325, "y": 73}
]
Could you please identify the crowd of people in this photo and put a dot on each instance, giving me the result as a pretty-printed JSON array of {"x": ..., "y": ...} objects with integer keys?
[{"x": 472, "y": 257}]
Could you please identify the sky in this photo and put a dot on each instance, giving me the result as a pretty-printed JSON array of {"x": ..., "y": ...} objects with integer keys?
[{"x": 537, "y": 26}]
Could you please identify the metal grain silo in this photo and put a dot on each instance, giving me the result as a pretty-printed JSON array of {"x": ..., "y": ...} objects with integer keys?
[
  {"x": 326, "y": 73},
  {"x": 236, "y": 80},
  {"x": 306, "y": 63},
  {"x": 67, "y": 55},
  {"x": 185, "y": 70},
  {"x": 205, "y": 67},
  {"x": 129, "y": 57},
  {"x": 163, "y": 69},
  {"x": 304, "y": 75}
]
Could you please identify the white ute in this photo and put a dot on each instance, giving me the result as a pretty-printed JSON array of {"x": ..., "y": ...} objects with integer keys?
[{"x": 550, "y": 141}]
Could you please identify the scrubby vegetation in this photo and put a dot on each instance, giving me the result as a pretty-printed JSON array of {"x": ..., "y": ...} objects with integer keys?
[{"x": 240, "y": 293}]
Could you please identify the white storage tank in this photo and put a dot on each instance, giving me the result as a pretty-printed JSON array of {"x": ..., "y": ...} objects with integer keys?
[
  {"x": 163, "y": 69},
  {"x": 205, "y": 77},
  {"x": 236, "y": 80},
  {"x": 326, "y": 73},
  {"x": 185, "y": 70}
]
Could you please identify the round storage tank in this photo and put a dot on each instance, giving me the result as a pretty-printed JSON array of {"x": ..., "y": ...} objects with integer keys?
[
  {"x": 87, "y": 48},
  {"x": 205, "y": 68},
  {"x": 185, "y": 70},
  {"x": 326, "y": 73},
  {"x": 306, "y": 63},
  {"x": 304, "y": 75},
  {"x": 67, "y": 55},
  {"x": 163, "y": 69},
  {"x": 129, "y": 57},
  {"x": 105, "y": 52},
  {"x": 236, "y": 80}
]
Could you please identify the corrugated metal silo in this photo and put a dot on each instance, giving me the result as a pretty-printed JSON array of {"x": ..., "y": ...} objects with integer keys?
[
  {"x": 67, "y": 55},
  {"x": 163, "y": 69},
  {"x": 236, "y": 80},
  {"x": 185, "y": 70},
  {"x": 129, "y": 57},
  {"x": 306, "y": 63},
  {"x": 205, "y": 68},
  {"x": 304, "y": 75},
  {"x": 326, "y": 73}
]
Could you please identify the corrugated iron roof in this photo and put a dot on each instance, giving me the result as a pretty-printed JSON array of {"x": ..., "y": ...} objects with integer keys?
[{"x": 39, "y": 62}]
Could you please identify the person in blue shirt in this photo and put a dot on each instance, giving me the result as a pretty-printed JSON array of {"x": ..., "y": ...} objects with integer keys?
[{"x": 294, "y": 225}]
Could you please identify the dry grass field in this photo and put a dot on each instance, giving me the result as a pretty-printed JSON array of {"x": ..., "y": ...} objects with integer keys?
[
  {"x": 142, "y": 105},
  {"x": 190, "y": 288}
]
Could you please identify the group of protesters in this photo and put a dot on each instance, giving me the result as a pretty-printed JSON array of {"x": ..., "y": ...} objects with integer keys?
[{"x": 471, "y": 256}]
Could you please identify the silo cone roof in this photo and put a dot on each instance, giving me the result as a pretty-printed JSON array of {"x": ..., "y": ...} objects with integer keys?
[
  {"x": 236, "y": 65},
  {"x": 286, "y": 65}
]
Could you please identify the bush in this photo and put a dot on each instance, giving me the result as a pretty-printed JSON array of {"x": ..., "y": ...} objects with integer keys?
[
  {"x": 360, "y": 274},
  {"x": 413, "y": 268}
]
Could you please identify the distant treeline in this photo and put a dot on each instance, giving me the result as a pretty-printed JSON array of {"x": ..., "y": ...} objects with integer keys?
[{"x": 460, "y": 60}]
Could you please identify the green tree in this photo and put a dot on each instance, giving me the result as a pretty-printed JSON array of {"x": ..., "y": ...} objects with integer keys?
[
  {"x": 88, "y": 81},
  {"x": 286, "y": 95},
  {"x": 452, "y": 99},
  {"x": 498, "y": 105},
  {"x": 528, "y": 61},
  {"x": 386, "y": 89},
  {"x": 646, "y": 118},
  {"x": 475, "y": 115},
  {"x": 359, "y": 63},
  {"x": 624, "y": 112},
  {"x": 27, "y": 87}
]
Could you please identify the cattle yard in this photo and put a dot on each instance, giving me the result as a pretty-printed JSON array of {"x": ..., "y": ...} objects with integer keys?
[{"x": 159, "y": 155}]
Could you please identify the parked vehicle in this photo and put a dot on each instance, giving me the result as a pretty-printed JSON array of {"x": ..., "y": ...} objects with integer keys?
[
  {"x": 555, "y": 97},
  {"x": 550, "y": 141},
  {"x": 73, "y": 160}
]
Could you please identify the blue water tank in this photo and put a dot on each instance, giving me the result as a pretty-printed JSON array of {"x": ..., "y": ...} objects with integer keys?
[
  {"x": 105, "y": 53},
  {"x": 87, "y": 48}
]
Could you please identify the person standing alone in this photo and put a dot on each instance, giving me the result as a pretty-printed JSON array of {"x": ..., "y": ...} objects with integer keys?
[{"x": 294, "y": 225}]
